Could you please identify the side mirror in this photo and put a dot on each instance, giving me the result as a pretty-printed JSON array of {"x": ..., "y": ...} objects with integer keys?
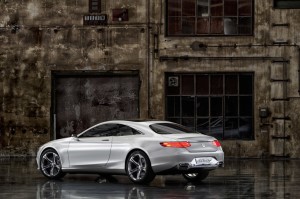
[{"x": 75, "y": 137}]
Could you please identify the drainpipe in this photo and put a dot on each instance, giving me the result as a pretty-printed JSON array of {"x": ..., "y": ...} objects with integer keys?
[
  {"x": 299, "y": 70},
  {"x": 148, "y": 61}
]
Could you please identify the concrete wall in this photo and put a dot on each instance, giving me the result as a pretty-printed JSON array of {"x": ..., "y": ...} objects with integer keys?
[
  {"x": 40, "y": 36},
  {"x": 283, "y": 121}
]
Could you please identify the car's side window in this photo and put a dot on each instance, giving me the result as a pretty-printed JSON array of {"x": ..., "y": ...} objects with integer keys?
[
  {"x": 126, "y": 130},
  {"x": 102, "y": 131}
]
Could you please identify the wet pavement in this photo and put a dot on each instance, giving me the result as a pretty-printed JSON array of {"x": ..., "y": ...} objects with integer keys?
[{"x": 250, "y": 178}]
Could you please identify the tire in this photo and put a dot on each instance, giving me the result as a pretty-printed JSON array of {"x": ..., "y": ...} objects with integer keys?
[
  {"x": 50, "y": 165},
  {"x": 195, "y": 177},
  {"x": 138, "y": 168}
]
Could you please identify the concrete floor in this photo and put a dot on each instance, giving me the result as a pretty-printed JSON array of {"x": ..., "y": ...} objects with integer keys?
[{"x": 238, "y": 179}]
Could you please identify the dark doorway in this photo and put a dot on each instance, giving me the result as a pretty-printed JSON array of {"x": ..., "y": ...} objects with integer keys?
[{"x": 81, "y": 100}]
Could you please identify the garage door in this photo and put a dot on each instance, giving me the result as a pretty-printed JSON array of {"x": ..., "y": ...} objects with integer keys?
[{"x": 80, "y": 101}]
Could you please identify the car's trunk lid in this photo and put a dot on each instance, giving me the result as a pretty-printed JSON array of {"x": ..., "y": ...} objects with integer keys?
[{"x": 199, "y": 142}]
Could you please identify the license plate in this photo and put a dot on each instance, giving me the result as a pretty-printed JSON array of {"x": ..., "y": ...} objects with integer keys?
[{"x": 204, "y": 161}]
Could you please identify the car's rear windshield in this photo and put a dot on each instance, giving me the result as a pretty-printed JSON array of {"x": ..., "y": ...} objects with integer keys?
[{"x": 170, "y": 128}]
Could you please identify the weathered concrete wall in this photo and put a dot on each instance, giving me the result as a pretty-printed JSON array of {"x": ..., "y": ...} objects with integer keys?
[
  {"x": 260, "y": 45},
  {"x": 37, "y": 37}
]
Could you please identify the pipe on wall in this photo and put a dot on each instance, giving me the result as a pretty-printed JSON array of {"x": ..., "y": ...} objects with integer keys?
[{"x": 299, "y": 70}]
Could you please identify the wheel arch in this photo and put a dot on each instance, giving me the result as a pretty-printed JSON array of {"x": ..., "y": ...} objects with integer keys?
[{"x": 41, "y": 153}]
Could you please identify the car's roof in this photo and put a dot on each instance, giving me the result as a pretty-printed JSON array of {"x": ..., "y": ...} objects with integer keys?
[{"x": 140, "y": 121}]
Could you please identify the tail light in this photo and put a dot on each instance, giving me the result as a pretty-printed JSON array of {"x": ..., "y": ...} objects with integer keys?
[
  {"x": 176, "y": 144},
  {"x": 216, "y": 143}
]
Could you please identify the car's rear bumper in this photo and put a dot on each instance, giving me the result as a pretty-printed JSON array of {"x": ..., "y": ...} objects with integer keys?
[
  {"x": 181, "y": 160},
  {"x": 188, "y": 168}
]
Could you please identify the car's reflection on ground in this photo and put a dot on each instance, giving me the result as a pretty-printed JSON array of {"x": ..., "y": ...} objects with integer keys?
[
  {"x": 163, "y": 187},
  {"x": 240, "y": 178}
]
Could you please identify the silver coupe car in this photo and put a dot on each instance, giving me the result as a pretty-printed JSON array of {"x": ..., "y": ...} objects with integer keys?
[{"x": 138, "y": 149}]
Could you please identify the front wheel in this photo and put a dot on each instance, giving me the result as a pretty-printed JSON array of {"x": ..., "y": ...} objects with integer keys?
[
  {"x": 50, "y": 164},
  {"x": 195, "y": 177},
  {"x": 138, "y": 168}
]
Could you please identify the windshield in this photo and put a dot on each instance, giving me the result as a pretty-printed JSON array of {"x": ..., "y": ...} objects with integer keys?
[{"x": 170, "y": 128}]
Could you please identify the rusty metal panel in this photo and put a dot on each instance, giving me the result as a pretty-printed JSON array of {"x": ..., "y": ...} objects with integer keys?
[{"x": 83, "y": 101}]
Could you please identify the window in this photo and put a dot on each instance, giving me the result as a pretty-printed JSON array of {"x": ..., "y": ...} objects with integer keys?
[
  {"x": 102, "y": 131},
  {"x": 287, "y": 4},
  {"x": 220, "y": 105},
  {"x": 169, "y": 128},
  {"x": 110, "y": 130},
  {"x": 126, "y": 130},
  {"x": 94, "y": 6},
  {"x": 209, "y": 17}
]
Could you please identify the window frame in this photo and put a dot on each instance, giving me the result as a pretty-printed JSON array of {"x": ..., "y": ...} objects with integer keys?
[
  {"x": 209, "y": 16},
  {"x": 83, "y": 135},
  {"x": 117, "y": 133},
  {"x": 288, "y": 7},
  {"x": 178, "y": 116}
]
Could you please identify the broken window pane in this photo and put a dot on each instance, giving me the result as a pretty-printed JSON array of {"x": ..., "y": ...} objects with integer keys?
[
  {"x": 202, "y": 8},
  {"x": 230, "y": 26}
]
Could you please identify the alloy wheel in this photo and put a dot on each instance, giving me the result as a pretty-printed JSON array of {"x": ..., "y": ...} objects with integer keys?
[
  {"x": 50, "y": 164},
  {"x": 137, "y": 167}
]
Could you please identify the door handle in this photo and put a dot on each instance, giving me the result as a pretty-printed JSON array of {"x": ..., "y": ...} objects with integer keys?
[{"x": 105, "y": 140}]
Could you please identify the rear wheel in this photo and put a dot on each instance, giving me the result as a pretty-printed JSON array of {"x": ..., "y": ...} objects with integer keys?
[
  {"x": 195, "y": 177},
  {"x": 50, "y": 164},
  {"x": 138, "y": 168}
]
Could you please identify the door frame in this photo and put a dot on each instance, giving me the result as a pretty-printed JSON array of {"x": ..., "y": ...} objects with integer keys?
[{"x": 83, "y": 73}]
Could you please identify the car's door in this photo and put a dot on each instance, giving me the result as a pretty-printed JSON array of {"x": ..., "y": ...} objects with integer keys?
[
  {"x": 91, "y": 150},
  {"x": 122, "y": 142}
]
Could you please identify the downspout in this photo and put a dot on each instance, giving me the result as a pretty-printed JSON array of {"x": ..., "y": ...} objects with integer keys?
[
  {"x": 299, "y": 70},
  {"x": 148, "y": 61}
]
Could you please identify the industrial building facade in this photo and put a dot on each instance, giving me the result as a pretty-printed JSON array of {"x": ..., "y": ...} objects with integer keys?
[{"x": 226, "y": 68}]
